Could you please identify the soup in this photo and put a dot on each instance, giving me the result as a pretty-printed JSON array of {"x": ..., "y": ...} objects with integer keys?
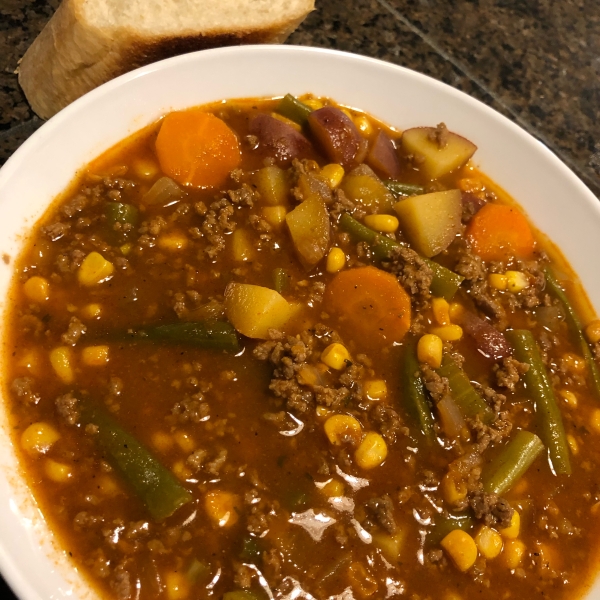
[{"x": 277, "y": 349}]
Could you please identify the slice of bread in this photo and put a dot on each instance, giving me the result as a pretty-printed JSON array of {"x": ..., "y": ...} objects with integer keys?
[{"x": 88, "y": 42}]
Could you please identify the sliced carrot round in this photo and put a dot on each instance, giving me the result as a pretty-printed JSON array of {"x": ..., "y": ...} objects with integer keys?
[
  {"x": 499, "y": 232},
  {"x": 372, "y": 303},
  {"x": 196, "y": 148}
]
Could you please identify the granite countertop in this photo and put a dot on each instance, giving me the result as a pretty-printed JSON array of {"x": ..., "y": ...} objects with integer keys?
[{"x": 536, "y": 62}]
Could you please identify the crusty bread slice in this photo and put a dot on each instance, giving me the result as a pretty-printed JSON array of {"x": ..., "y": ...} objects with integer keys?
[{"x": 88, "y": 42}]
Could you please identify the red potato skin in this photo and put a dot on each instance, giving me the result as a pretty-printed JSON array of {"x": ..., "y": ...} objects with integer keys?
[
  {"x": 383, "y": 158},
  {"x": 338, "y": 136},
  {"x": 490, "y": 342},
  {"x": 280, "y": 139}
]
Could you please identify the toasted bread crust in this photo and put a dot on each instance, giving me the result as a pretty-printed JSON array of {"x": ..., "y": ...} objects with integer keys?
[{"x": 71, "y": 57}]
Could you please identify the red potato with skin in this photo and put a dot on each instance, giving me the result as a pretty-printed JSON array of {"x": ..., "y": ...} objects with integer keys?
[{"x": 383, "y": 158}]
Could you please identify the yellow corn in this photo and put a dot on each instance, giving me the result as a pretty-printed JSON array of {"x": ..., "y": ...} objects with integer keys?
[
  {"x": 569, "y": 397},
  {"x": 364, "y": 125},
  {"x": 498, "y": 281},
  {"x": 593, "y": 331},
  {"x": 31, "y": 361},
  {"x": 126, "y": 249},
  {"x": 162, "y": 441},
  {"x": 61, "y": 361},
  {"x": 181, "y": 471},
  {"x": 512, "y": 531},
  {"x": 340, "y": 429},
  {"x": 107, "y": 485},
  {"x": 573, "y": 362},
  {"x": 91, "y": 311},
  {"x": 145, "y": 168},
  {"x": 456, "y": 311},
  {"x": 595, "y": 419},
  {"x": 172, "y": 241},
  {"x": 38, "y": 438},
  {"x": 95, "y": 356},
  {"x": 333, "y": 489},
  {"x": 222, "y": 507},
  {"x": 448, "y": 333},
  {"x": 333, "y": 174},
  {"x": 372, "y": 451},
  {"x": 441, "y": 311},
  {"x": 375, "y": 389},
  {"x": 382, "y": 223},
  {"x": 177, "y": 585},
  {"x": 185, "y": 441},
  {"x": 287, "y": 121},
  {"x": 514, "y": 550},
  {"x": 323, "y": 411},
  {"x": 429, "y": 350},
  {"x": 390, "y": 545},
  {"x": 274, "y": 215},
  {"x": 453, "y": 491},
  {"x": 94, "y": 269},
  {"x": 461, "y": 548},
  {"x": 516, "y": 281},
  {"x": 335, "y": 356},
  {"x": 489, "y": 542},
  {"x": 313, "y": 103},
  {"x": 241, "y": 246},
  {"x": 336, "y": 259},
  {"x": 58, "y": 472},
  {"x": 573, "y": 445},
  {"x": 37, "y": 289}
]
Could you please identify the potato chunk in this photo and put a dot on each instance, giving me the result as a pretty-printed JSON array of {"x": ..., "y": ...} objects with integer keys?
[
  {"x": 309, "y": 227},
  {"x": 363, "y": 186},
  {"x": 437, "y": 155},
  {"x": 253, "y": 309},
  {"x": 431, "y": 221}
]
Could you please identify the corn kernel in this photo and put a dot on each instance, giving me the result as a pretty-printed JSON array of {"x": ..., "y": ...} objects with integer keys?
[
  {"x": 177, "y": 585},
  {"x": 573, "y": 362},
  {"x": 341, "y": 429},
  {"x": 573, "y": 445},
  {"x": 181, "y": 471},
  {"x": 489, "y": 542},
  {"x": 37, "y": 289},
  {"x": 31, "y": 361},
  {"x": 448, "y": 333},
  {"x": 364, "y": 125},
  {"x": 512, "y": 531},
  {"x": 108, "y": 486},
  {"x": 569, "y": 397},
  {"x": 514, "y": 550},
  {"x": 516, "y": 281},
  {"x": 274, "y": 215},
  {"x": 335, "y": 356},
  {"x": 456, "y": 311},
  {"x": 382, "y": 223},
  {"x": 441, "y": 311},
  {"x": 333, "y": 174},
  {"x": 323, "y": 411},
  {"x": 336, "y": 259},
  {"x": 185, "y": 441},
  {"x": 372, "y": 451},
  {"x": 429, "y": 350},
  {"x": 461, "y": 548},
  {"x": 61, "y": 361},
  {"x": 241, "y": 246},
  {"x": 313, "y": 103},
  {"x": 333, "y": 489},
  {"x": 126, "y": 249},
  {"x": 453, "y": 491},
  {"x": 91, "y": 311},
  {"x": 94, "y": 269},
  {"x": 38, "y": 438},
  {"x": 145, "y": 168},
  {"x": 498, "y": 281},
  {"x": 375, "y": 389},
  {"x": 95, "y": 356},
  {"x": 592, "y": 331},
  {"x": 595, "y": 419},
  {"x": 222, "y": 507},
  {"x": 389, "y": 545},
  {"x": 287, "y": 121},
  {"x": 172, "y": 241},
  {"x": 58, "y": 472},
  {"x": 162, "y": 441}
]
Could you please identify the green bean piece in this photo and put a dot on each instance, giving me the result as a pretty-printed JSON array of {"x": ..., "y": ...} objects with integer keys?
[
  {"x": 197, "y": 571},
  {"x": 415, "y": 400},
  {"x": 539, "y": 388},
  {"x": 117, "y": 216},
  {"x": 576, "y": 330},
  {"x": 512, "y": 463},
  {"x": 444, "y": 525},
  {"x": 212, "y": 335},
  {"x": 468, "y": 400},
  {"x": 281, "y": 280},
  {"x": 291, "y": 108},
  {"x": 400, "y": 190},
  {"x": 445, "y": 283},
  {"x": 154, "y": 484}
]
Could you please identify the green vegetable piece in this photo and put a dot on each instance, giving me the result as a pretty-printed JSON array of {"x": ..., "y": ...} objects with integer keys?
[
  {"x": 117, "y": 216},
  {"x": 444, "y": 525},
  {"x": 154, "y": 484},
  {"x": 197, "y": 571},
  {"x": 281, "y": 280},
  {"x": 539, "y": 388},
  {"x": 576, "y": 330},
  {"x": 416, "y": 403},
  {"x": 251, "y": 550},
  {"x": 445, "y": 283},
  {"x": 212, "y": 335},
  {"x": 404, "y": 189},
  {"x": 512, "y": 463},
  {"x": 291, "y": 108},
  {"x": 468, "y": 400}
]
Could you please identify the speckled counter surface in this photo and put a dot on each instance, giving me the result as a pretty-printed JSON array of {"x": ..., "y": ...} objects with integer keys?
[{"x": 537, "y": 61}]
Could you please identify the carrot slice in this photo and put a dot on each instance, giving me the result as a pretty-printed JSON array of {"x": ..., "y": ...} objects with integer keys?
[
  {"x": 498, "y": 232},
  {"x": 196, "y": 148},
  {"x": 372, "y": 303}
]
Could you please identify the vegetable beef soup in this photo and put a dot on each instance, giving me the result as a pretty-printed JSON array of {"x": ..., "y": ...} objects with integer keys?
[{"x": 277, "y": 349}]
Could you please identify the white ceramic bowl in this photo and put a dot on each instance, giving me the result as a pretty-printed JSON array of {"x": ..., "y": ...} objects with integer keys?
[{"x": 555, "y": 199}]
